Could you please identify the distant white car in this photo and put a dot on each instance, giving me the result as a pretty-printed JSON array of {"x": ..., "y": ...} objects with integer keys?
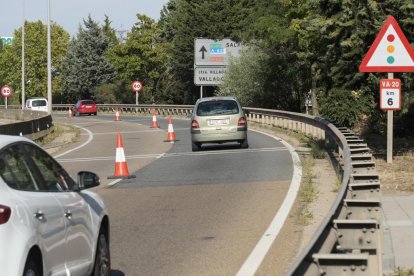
[
  {"x": 49, "y": 224},
  {"x": 36, "y": 104}
]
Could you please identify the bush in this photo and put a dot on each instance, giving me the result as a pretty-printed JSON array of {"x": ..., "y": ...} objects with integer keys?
[
  {"x": 318, "y": 148},
  {"x": 403, "y": 125},
  {"x": 346, "y": 108}
]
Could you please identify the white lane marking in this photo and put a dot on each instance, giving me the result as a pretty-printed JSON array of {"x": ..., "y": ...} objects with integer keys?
[
  {"x": 164, "y": 155},
  {"x": 138, "y": 131},
  {"x": 256, "y": 257},
  {"x": 126, "y": 132},
  {"x": 225, "y": 152},
  {"x": 106, "y": 158},
  {"x": 113, "y": 182},
  {"x": 90, "y": 137}
]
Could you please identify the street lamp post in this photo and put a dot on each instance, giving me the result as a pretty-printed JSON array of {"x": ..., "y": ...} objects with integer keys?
[
  {"x": 23, "y": 73},
  {"x": 49, "y": 57}
]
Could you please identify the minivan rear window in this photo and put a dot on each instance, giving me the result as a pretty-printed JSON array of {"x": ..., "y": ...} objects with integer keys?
[
  {"x": 39, "y": 103},
  {"x": 222, "y": 107}
]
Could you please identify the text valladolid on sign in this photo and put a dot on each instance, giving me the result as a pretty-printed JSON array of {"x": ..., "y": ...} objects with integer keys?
[
  {"x": 209, "y": 75},
  {"x": 390, "y": 52},
  {"x": 211, "y": 58}
]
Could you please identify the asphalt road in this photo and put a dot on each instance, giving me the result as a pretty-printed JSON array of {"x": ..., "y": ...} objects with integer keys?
[{"x": 185, "y": 213}]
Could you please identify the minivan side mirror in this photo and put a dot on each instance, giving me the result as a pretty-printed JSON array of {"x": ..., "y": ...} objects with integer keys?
[{"x": 87, "y": 180}]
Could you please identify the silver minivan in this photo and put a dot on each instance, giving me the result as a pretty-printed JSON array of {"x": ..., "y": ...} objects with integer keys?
[
  {"x": 218, "y": 120},
  {"x": 36, "y": 104}
]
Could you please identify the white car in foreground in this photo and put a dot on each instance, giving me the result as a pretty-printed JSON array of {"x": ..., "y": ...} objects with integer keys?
[{"x": 49, "y": 223}]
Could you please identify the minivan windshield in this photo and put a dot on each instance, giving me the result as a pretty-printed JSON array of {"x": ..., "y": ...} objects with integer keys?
[{"x": 217, "y": 107}]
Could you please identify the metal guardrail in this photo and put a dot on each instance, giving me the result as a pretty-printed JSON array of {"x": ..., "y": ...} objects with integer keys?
[
  {"x": 349, "y": 241},
  {"x": 31, "y": 124},
  {"x": 183, "y": 110}
]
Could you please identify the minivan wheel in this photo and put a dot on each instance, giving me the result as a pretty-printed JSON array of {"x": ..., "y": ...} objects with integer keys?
[
  {"x": 195, "y": 146},
  {"x": 244, "y": 144},
  {"x": 102, "y": 265},
  {"x": 31, "y": 268}
]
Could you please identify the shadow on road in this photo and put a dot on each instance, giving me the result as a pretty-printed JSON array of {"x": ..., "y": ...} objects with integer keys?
[{"x": 117, "y": 273}]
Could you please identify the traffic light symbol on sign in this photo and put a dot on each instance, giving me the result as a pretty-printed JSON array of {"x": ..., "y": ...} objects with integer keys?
[{"x": 390, "y": 51}]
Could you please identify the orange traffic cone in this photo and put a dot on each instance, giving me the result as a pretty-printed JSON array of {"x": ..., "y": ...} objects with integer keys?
[
  {"x": 121, "y": 168},
  {"x": 70, "y": 113},
  {"x": 154, "y": 123},
  {"x": 117, "y": 117},
  {"x": 171, "y": 134}
]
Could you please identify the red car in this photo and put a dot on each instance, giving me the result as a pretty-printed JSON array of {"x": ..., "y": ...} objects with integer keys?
[{"x": 84, "y": 107}]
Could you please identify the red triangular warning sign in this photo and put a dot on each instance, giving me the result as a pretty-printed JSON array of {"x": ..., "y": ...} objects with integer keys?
[{"x": 390, "y": 51}]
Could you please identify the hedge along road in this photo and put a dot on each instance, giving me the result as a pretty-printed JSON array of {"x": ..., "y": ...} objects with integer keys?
[{"x": 214, "y": 212}]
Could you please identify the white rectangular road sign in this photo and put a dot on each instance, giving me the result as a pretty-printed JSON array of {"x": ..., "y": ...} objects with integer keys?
[
  {"x": 390, "y": 94},
  {"x": 209, "y": 52},
  {"x": 210, "y": 76}
]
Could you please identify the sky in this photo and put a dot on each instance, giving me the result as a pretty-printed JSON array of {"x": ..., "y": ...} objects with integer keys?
[{"x": 70, "y": 13}]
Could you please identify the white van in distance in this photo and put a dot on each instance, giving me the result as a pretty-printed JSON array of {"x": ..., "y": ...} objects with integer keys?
[{"x": 36, "y": 104}]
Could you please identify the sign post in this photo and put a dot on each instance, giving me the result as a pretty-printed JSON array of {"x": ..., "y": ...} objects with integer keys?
[
  {"x": 6, "y": 91},
  {"x": 390, "y": 52},
  {"x": 137, "y": 87}
]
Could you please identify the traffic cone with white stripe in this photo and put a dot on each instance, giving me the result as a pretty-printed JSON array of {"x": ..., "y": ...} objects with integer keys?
[
  {"x": 117, "y": 117},
  {"x": 121, "y": 168},
  {"x": 70, "y": 113},
  {"x": 171, "y": 133},
  {"x": 154, "y": 123}
]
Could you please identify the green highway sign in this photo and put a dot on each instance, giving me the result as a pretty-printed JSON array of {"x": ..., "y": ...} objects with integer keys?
[{"x": 7, "y": 40}]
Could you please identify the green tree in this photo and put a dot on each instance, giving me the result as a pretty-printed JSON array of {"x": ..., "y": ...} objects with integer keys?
[
  {"x": 246, "y": 77},
  {"x": 184, "y": 20},
  {"x": 35, "y": 60},
  {"x": 142, "y": 57},
  {"x": 335, "y": 35},
  {"x": 86, "y": 66},
  {"x": 268, "y": 27},
  {"x": 109, "y": 32}
]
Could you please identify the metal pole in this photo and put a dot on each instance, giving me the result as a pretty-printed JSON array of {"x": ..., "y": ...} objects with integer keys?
[
  {"x": 49, "y": 62},
  {"x": 390, "y": 129},
  {"x": 136, "y": 98},
  {"x": 201, "y": 91},
  {"x": 23, "y": 71}
]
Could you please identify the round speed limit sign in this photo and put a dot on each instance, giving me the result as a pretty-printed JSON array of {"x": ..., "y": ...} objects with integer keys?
[
  {"x": 136, "y": 86},
  {"x": 6, "y": 91},
  {"x": 390, "y": 94}
]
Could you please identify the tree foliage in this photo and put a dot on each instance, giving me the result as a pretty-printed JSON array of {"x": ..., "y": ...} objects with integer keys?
[
  {"x": 109, "y": 32},
  {"x": 293, "y": 46},
  {"x": 246, "y": 77},
  {"x": 142, "y": 57},
  {"x": 86, "y": 66},
  {"x": 35, "y": 52},
  {"x": 182, "y": 22}
]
